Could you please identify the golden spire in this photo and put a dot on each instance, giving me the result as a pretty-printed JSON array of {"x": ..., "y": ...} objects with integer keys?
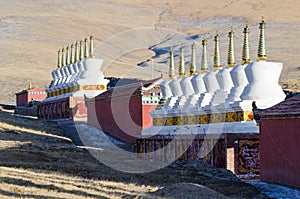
[
  {"x": 246, "y": 54},
  {"x": 193, "y": 70},
  {"x": 58, "y": 59},
  {"x": 92, "y": 47},
  {"x": 204, "y": 65},
  {"x": 30, "y": 85},
  {"x": 67, "y": 55},
  {"x": 86, "y": 48},
  {"x": 171, "y": 67},
  {"x": 261, "y": 55},
  {"x": 63, "y": 59},
  {"x": 72, "y": 54},
  {"x": 81, "y": 57},
  {"x": 181, "y": 68},
  {"x": 231, "y": 59},
  {"x": 76, "y": 52},
  {"x": 217, "y": 59}
]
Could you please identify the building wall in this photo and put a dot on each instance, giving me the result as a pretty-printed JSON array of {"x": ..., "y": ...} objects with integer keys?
[
  {"x": 28, "y": 111},
  {"x": 22, "y": 99},
  {"x": 38, "y": 97},
  {"x": 167, "y": 150},
  {"x": 64, "y": 108},
  {"x": 26, "y": 96},
  {"x": 279, "y": 149},
  {"x": 121, "y": 117},
  {"x": 147, "y": 119},
  {"x": 56, "y": 109},
  {"x": 230, "y": 160}
]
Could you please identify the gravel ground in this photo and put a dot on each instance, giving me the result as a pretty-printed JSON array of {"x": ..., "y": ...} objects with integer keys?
[{"x": 276, "y": 191}]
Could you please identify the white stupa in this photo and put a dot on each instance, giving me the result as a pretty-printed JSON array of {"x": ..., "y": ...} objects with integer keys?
[
  {"x": 165, "y": 89},
  {"x": 238, "y": 74},
  {"x": 210, "y": 78},
  {"x": 219, "y": 101},
  {"x": 78, "y": 73},
  {"x": 198, "y": 86},
  {"x": 185, "y": 84},
  {"x": 221, "y": 97},
  {"x": 263, "y": 76},
  {"x": 174, "y": 85}
]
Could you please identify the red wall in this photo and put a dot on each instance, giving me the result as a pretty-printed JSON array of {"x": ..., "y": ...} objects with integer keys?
[
  {"x": 147, "y": 119},
  {"x": 279, "y": 150},
  {"x": 38, "y": 97},
  {"x": 122, "y": 121},
  {"x": 22, "y": 99},
  {"x": 117, "y": 117},
  {"x": 26, "y": 96}
]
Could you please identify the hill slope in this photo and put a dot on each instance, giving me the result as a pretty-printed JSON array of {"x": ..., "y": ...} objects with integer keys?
[
  {"x": 38, "y": 161},
  {"x": 32, "y": 31}
]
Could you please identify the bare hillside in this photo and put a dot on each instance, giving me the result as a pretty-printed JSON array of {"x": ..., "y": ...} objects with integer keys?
[
  {"x": 37, "y": 160},
  {"x": 32, "y": 31}
]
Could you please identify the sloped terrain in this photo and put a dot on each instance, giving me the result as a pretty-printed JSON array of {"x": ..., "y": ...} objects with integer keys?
[
  {"x": 32, "y": 31},
  {"x": 38, "y": 161}
]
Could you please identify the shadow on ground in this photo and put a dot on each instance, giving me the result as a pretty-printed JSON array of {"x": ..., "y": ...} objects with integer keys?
[{"x": 50, "y": 151}]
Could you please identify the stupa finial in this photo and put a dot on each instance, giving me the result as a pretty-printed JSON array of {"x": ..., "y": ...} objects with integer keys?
[
  {"x": 92, "y": 46},
  {"x": 193, "y": 70},
  {"x": 63, "y": 58},
  {"x": 217, "y": 59},
  {"x": 76, "y": 51},
  {"x": 81, "y": 56},
  {"x": 30, "y": 85},
  {"x": 231, "y": 57},
  {"x": 246, "y": 53},
  {"x": 86, "y": 48},
  {"x": 204, "y": 65},
  {"x": 262, "y": 55},
  {"x": 59, "y": 59},
  {"x": 171, "y": 67},
  {"x": 181, "y": 69},
  {"x": 67, "y": 55},
  {"x": 72, "y": 58}
]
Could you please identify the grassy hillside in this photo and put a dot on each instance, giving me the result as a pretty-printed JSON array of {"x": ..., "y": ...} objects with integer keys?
[
  {"x": 38, "y": 161},
  {"x": 32, "y": 31}
]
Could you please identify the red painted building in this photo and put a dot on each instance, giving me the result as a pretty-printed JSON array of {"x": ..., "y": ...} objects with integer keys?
[
  {"x": 280, "y": 142},
  {"x": 30, "y": 94},
  {"x": 123, "y": 111}
]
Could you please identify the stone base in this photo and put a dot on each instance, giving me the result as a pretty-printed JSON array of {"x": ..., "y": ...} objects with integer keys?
[{"x": 212, "y": 117}]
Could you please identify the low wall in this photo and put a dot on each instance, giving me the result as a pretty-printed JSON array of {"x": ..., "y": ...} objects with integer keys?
[
  {"x": 24, "y": 110},
  {"x": 69, "y": 108},
  {"x": 209, "y": 151},
  {"x": 7, "y": 106},
  {"x": 239, "y": 153}
]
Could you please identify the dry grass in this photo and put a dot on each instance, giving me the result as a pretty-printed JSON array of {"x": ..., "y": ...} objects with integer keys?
[
  {"x": 38, "y": 161},
  {"x": 31, "y": 32},
  {"x": 32, "y": 184},
  {"x": 40, "y": 151}
]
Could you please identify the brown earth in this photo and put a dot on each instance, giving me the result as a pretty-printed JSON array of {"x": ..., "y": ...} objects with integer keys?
[
  {"x": 32, "y": 31},
  {"x": 38, "y": 161}
]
